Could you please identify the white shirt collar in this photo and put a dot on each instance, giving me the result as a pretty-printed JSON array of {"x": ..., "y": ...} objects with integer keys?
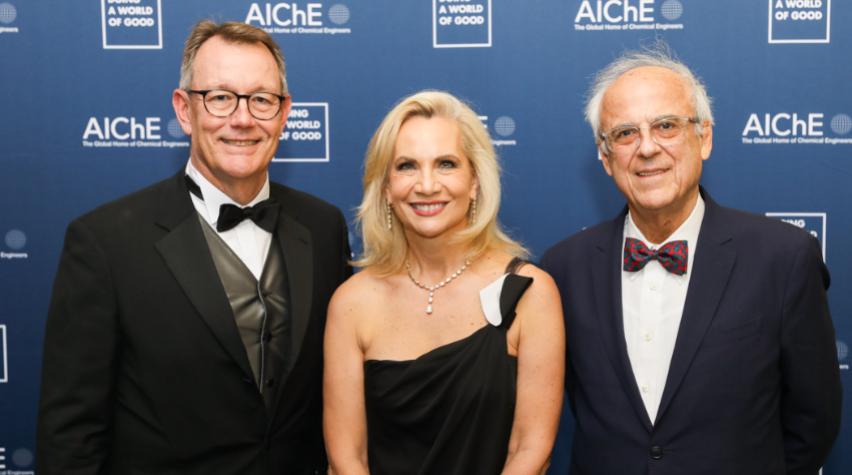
[
  {"x": 214, "y": 197},
  {"x": 688, "y": 231}
]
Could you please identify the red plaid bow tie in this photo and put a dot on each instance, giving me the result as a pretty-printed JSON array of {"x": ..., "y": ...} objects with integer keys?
[{"x": 672, "y": 256}]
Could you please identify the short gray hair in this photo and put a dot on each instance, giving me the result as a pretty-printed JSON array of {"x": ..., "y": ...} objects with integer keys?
[
  {"x": 230, "y": 32},
  {"x": 658, "y": 55}
]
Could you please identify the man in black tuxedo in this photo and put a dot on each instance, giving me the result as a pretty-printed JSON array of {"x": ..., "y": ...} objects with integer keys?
[
  {"x": 699, "y": 337},
  {"x": 185, "y": 330}
]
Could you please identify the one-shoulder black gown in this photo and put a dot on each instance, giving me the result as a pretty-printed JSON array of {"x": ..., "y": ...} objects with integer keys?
[{"x": 450, "y": 411}]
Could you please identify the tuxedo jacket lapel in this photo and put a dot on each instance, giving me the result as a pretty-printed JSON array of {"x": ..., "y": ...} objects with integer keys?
[
  {"x": 606, "y": 275},
  {"x": 298, "y": 257},
  {"x": 187, "y": 256},
  {"x": 711, "y": 271}
]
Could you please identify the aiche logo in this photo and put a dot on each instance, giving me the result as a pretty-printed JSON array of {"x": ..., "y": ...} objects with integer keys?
[
  {"x": 290, "y": 18},
  {"x": 461, "y": 23},
  {"x": 799, "y": 21},
  {"x": 813, "y": 223},
  {"x": 132, "y": 24},
  {"x": 597, "y": 15},
  {"x": 22, "y": 458},
  {"x": 782, "y": 128},
  {"x": 175, "y": 130},
  {"x": 131, "y": 132},
  {"x": 15, "y": 240},
  {"x": 305, "y": 138},
  {"x": 842, "y": 353},
  {"x": 4, "y": 365},
  {"x": 504, "y": 127},
  {"x": 8, "y": 14}
]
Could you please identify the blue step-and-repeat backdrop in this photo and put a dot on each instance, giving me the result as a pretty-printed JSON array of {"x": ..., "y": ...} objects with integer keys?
[{"x": 86, "y": 117}]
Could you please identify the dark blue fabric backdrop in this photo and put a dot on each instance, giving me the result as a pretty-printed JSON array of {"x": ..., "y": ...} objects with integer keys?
[{"x": 86, "y": 117}]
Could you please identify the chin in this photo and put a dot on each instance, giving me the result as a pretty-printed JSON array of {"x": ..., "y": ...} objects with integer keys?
[
  {"x": 655, "y": 199},
  {"x": 432, "y": 232}
]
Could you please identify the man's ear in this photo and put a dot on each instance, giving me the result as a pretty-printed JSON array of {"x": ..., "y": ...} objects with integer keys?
[
  {"x": 285, "y": 111},
  {"x": 604, "y": 157},
  {"x": 706, "y": 140},
  {"x": 180, "y": 101}
]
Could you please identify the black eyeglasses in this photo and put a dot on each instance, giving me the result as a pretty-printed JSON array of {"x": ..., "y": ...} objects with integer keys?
[{"x": 222, "y": 103}]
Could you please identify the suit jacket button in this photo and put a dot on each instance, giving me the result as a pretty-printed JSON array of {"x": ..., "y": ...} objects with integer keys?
[
  {"x": 248, "y": 380},
  {"x": 657, "y": 453},
  {"x": 270, "y": 382}
]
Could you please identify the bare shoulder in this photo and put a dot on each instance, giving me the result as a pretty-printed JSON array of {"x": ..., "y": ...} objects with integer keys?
[
  {"x": 538, "y": 275},
  {"x": 363, "y": 290},
  {"x": 492, "y": 264},
  {"x": 541, "y": 300}
]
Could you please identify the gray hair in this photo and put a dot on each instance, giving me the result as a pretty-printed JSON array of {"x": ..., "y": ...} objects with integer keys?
[
  {"x": 658, "y": 55},
  {"x": 230, "y": 32}
]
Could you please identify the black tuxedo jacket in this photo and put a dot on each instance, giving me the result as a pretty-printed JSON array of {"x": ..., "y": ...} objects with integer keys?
[
  {"x": 144, "y": 371},
  {"x": 754, "y": 384}
]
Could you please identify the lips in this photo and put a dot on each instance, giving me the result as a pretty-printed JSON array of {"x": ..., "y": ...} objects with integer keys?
[
  {"x": 651, "y": 173},
  {"x": 240, "y": 143},
  {"x": 429, "y": 208}
]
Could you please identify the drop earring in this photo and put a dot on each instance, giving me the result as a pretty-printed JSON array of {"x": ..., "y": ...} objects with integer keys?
[
  {"x": 389, "y": 209},
  {"x": 473, "y": 210}
]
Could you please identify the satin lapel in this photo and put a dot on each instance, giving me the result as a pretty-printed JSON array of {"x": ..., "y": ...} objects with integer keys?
[
  {"x": 711, "y": 272},
  {"x": 187, "y": 256},
  {"x": 299, "y": 259},
  {"x": 606, "y": 276}
]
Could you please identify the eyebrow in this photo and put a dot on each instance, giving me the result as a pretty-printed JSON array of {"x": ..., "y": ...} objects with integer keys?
[
  {"x": 656, "y": 119},
  {"x": 440, "y": 157}
]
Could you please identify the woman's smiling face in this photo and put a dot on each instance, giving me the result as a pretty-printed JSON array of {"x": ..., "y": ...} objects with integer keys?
[{"x": 431, "y": 180}]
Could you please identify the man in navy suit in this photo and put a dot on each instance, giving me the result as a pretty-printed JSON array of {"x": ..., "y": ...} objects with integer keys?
[{"x": 699, "y": 337}]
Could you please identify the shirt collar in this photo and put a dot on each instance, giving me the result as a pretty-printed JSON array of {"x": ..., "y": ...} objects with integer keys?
[
  {"x": 688, "y": 231},
  {"x": 214, "y": 198}
]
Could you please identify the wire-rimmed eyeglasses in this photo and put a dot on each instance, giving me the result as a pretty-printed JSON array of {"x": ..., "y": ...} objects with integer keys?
[
  {"x": 666, "y": 131},
  {"x": 222, "y": 103}
]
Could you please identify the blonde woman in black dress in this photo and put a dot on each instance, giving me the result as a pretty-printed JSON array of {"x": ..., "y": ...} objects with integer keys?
[{"x": 445, "y": 354}]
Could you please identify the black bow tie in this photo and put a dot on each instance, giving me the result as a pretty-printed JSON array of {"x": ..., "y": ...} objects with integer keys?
[{"x": 264, "y": 214}]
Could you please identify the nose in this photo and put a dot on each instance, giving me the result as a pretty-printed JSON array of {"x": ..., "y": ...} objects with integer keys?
[
  {"x": 427, "y": 184},
  {"x": 241, "y": 117},
  {"x": 647, "y": 146}
]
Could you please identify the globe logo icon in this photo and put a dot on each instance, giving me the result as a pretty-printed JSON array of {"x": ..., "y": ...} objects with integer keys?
[
  {"x": 842, "y": 350},
  {"x": 504, "y": 126},
  {"x": 671, "y": 9},
  {"x": 175, "y": 130},
  {"x": 16, "y": 239},
  {"x": 22, "y": 458},
  {"x": 7, "y": 13},
  {"x": 338, "y": 14},
  {"x": 841, "y": 124}
]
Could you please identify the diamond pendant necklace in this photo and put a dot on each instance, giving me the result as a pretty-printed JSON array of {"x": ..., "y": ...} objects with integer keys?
[{"x": 433, "y": 288}]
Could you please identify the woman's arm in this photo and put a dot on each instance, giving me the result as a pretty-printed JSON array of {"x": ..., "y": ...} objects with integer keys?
[
  {"x": 344, "y": 416},
  {"x": 541, "y": 369}
]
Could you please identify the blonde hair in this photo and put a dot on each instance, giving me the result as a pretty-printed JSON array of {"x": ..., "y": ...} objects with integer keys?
[
  {"x": 385, "y": 249},
  {"x": 231, "y": 32}
]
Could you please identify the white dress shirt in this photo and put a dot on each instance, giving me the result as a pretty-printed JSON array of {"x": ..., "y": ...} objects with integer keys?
[
  {"x": 248, "y": 241},
  {"x": 652, "y": 301}
]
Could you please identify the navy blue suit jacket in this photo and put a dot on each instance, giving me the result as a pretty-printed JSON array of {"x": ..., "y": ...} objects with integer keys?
[{"x": 754, "y": 385}]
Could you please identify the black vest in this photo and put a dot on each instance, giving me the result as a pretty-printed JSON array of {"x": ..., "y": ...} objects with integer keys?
[{"x": 261, "y": 310}]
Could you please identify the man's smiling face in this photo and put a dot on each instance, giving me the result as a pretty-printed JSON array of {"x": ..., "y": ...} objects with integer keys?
[
  {"x": 238, "y": 147},
  {"x": 652, "y": 177}
]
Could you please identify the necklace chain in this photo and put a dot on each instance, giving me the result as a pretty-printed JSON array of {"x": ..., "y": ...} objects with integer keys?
[{"x": 437, "y": 286}]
